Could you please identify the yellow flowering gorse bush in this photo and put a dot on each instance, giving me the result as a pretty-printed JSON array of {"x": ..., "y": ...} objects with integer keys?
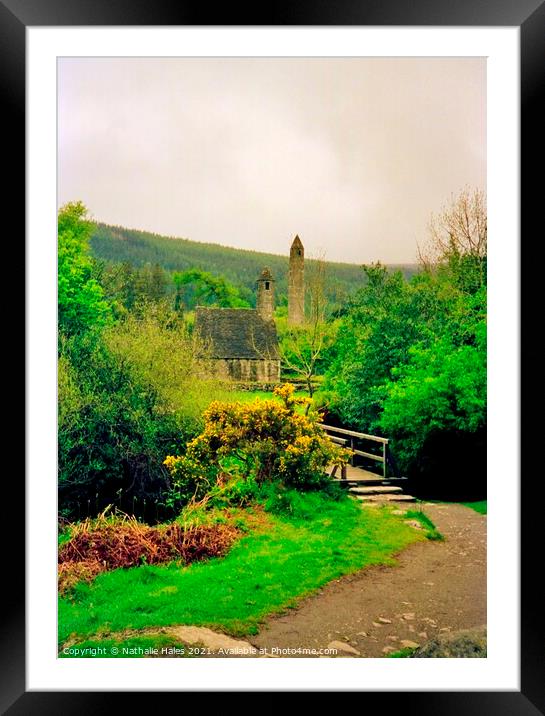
[{"x": 261, "y": 441}]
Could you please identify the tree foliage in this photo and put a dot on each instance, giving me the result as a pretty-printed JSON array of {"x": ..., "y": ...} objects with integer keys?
[
  {"x": 113, "y": 432},
  {"x": 411, "y": 355},
  {"x": 207, "y": 290},
  {"x": 81, "y": 303}
]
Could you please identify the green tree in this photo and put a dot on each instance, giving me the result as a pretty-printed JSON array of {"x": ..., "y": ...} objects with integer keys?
[
  {"x": 305, "y": 350},
  {"x": 206, "y": 289},
  {"x": 385, "y": 318},
  {"x": 81, "y": 303},
  {"x": 457, "y": 244},
  {"x": 441, "y": 389}
]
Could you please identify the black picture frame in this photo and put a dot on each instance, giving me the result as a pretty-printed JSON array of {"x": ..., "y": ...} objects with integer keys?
[{"x": 529, "y": 16}]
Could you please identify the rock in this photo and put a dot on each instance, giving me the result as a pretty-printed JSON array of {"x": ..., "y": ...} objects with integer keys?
[
  {"x": 342, "y": 646},
  {"x": 212, "y": 640},
  {"x": 388, "y": 649},
  {"x": 376, "y": 624},
  {"x": 423, "y": 634},
  {"x": 382, "y": 620},
  {"x": 409, "y": 616},
  {"x": 393, "y": 638},
  {"x": 362, "y": 633},
  {"x": 414, "y": 523},
  {"x": 463, "y": 644},
  {"x": 408, "y": 644}
]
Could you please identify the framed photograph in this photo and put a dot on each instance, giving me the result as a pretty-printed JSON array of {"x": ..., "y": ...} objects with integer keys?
[{"x": 261, "y": 304}]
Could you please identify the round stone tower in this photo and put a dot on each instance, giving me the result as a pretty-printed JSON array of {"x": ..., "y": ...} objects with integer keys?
[
  {"x": 265, "y": 295},
  {"x": 296, "y": 284}
]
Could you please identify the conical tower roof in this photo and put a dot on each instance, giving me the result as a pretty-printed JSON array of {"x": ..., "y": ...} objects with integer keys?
[
  {"x": 266, "y": 275},
  {"x": 297, "y": 242}
]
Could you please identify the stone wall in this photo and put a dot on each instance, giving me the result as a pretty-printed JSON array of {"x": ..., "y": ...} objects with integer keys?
[{"x": 248, "y": 370}]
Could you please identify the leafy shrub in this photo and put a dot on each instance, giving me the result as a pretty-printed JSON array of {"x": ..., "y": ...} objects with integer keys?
[
  {"x": 112, "y": 435},
  {"x": 158, "y": 350},
  {"x": 259, "y": 442}
]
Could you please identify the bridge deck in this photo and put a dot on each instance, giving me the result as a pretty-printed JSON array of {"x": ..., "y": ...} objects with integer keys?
[{"x": 357, "y": 474}]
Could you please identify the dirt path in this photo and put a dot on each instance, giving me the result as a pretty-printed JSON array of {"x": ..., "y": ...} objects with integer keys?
[{"x": 437, "y": 587}]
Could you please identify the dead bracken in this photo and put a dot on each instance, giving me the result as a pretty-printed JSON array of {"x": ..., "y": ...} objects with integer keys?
[{"x": 109, "y": 542}]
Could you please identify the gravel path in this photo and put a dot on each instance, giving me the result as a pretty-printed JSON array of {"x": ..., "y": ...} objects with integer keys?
[{"x": 436, "y": 587}]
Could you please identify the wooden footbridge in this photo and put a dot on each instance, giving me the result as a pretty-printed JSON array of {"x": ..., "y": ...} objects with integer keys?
[{"x": 360, "y": 479}]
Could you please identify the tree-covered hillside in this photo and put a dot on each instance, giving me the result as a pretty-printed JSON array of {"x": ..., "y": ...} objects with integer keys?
[{"x": 240, "y": 267}]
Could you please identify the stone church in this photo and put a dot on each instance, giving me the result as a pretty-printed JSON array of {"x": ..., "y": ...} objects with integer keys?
[{"x": 243, "y": 342}]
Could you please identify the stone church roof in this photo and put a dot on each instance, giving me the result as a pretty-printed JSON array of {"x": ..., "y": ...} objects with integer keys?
[{"x": 237, "y": 333}]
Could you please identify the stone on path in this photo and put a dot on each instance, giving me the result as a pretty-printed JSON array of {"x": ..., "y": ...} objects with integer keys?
[
  {"x": 383, "y": 620},
  {"x": 408, "y": 644},
  {"x": 414, "y": 523},
  {"x": 343, "y": 646},
  {"x": 211, "y": 640}
]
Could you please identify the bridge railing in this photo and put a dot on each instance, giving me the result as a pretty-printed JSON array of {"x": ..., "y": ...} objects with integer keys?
[{"x": 350, "y": 442}]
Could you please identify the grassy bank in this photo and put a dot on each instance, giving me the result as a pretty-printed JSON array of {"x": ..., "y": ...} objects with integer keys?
[
  {"x": 480, "y": 507},
  {"x": 309, "y": 541}
]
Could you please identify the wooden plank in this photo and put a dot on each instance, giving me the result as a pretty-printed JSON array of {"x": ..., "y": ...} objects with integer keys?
[
  {"x": 353, "y": 433},
  {"x": 339, "y": 441},
  {"x": 356, "y": 474},
  {"x": 378, "y": 458}
]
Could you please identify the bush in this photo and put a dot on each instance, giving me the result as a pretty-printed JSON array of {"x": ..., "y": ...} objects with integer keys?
[
  {"x": 258, "y": 442},
  {"x": 158, "y": 350},
  {"x": 126, "y": 397},
  {"x": 112, "y": 436}
]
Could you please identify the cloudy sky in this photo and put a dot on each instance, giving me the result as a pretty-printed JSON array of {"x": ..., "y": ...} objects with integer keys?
[{"x": 351, "y": 154}]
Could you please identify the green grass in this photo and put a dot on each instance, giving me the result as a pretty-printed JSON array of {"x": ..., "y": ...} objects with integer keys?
[
  {"x": 402, "y": 653},
  {"x": 267, "y": 571},
  {"x": 131, "y": 648},
  {"x": 248, "y": 396},
  {"x": 479, "y": 507},
  {"x": 432, "y": 533},
  {"x": 63, "y": 536}
]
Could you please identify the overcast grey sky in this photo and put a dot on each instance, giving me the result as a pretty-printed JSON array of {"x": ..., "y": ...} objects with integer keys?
[{"x": 351, "y": 154}]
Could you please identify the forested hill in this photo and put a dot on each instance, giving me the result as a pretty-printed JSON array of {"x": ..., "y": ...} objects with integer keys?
[{"x": 241, "y": 267}]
